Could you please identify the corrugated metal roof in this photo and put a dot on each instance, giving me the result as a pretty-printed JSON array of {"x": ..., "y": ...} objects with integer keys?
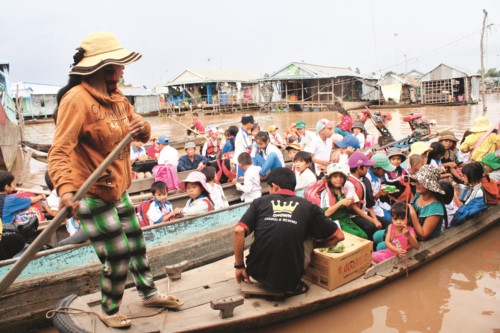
[
  {"x": 27, "y": 89},
  {"x": 300, "y": 70},
  {"x": 445, "y": 72},
  {"x": 191, "y": 76}
]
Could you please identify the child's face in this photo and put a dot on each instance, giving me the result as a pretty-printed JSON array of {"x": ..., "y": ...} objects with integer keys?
[
  {"x": 487, "y": 168},
  {"x": 214, "y": 136},
  {"x": 396, "y": 160},
  {"x": 193, "y": 190},
  {"x": 292, "y": 153},
  {"x": 255, "y": 131},
  {"x": 447, "y": 143},
  {"x": 399, "y": 222},
  {"x": 379, "y": 172},
  {"x": 337, "y": 180},
  {"x": 261, "y": 144},
  {"x": 356, "y": 130},
  {"x": 301, "y": 165},
  {"x": 161, "y": 196}
]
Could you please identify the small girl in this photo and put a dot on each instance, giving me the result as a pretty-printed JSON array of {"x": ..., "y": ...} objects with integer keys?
[
  {"x": 344, "y": 127},
  {"x": 358, "y": 130},
  {"x": 335, "y": 199},
  {"x": 397, "y": 177},
  {"x": 195, "y": 185},
  {"x": 228, "y": 148},
  {"x": 216, "y": 192},
  {"x": 434, "y": 159},
  {"x": 400, "y": 237},
  {"x": 450, "y": 158}
]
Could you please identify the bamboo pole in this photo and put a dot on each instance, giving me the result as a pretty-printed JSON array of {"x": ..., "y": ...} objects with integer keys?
[
  {"x": 187, "y": 127},
  {"x": 39, "y": 241},
  {"x": 483, "y": 90}
]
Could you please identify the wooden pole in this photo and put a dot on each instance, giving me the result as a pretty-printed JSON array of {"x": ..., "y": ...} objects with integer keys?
[
  {"x": 183, "y": 125},
  {"x": 483, "y": 90},
  {"x": 42, "y": 239}
]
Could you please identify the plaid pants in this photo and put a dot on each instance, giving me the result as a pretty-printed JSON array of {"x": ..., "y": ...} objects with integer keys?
[{"x": 117, "y": 239}]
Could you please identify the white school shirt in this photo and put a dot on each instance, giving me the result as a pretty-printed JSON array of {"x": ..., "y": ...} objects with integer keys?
[
  {"x": 379, "y": 206},
  {"x": 251, "y": 184},
  {"x": 169, "y": 155},
  {"x": 157, "y": 210},
  {"x": 361, "y": 139},
  {"x": 273, "y": 149},
  {"x": 241, "y": 144},
  {"x": 217, "y": 195},
  {"x": 135, "y": 153},
  {"x": 304, "y": 179},
  {"x": 321, "y": 150}
]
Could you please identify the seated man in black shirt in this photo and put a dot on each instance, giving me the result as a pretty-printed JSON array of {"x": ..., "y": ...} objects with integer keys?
[{"x": 281, "y": 222}]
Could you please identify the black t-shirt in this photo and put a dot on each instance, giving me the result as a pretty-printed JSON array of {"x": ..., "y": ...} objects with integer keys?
[{"x": 281, "y": 222}]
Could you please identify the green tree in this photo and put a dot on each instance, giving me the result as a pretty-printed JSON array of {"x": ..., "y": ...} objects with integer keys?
[{"x": 122, "y": 83}]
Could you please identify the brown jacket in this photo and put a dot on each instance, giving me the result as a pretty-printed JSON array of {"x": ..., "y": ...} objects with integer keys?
[{"x": 89, "y": 126}]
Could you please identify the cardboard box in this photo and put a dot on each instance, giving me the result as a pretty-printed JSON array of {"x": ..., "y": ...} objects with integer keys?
[{"x": 331, "y": 270}]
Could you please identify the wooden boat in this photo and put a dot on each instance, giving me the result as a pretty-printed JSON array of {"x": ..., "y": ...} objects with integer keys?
[
  {"x": 203, "y": 287},
  {"x": 11, "y": 156},
  {"x": 60, "y": 271},
  {"x": 177, "y": 144}
]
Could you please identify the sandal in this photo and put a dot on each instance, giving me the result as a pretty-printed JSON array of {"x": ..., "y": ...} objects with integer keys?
[
  {"x": 160, "y": 300},
  {"x": 301, "y": 288},
  {"x": 117, "y": 320}
]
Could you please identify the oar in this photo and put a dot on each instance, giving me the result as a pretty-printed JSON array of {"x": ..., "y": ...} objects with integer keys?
[
  {"x": 189, "y": 128},
  {"x": 42, "y": 239}
]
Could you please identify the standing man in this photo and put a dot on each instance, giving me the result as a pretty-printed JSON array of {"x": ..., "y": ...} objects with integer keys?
[
  {"x": 281, "y": 223},
  {"x": 242, "y": 143},
  {"x": 321, "y": 146},
  {"x": 197, "y": 126}
]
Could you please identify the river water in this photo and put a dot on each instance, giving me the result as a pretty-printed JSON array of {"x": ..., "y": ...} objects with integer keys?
[{"x": 459, "y": 292}]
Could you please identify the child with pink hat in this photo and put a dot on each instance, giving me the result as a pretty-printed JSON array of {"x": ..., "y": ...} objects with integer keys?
[{"x": 195, "y": 185}]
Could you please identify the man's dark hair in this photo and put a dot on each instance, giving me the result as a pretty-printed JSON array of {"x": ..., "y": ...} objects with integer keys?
[
  {"x": 195, "y": 114},
  {"x": 233, "y": 130},
  {"x": 283, "y": 177},
  {"x": 209, "y": 172},
  {"x": 158, "y": 186},
  {"x": 399, "y": 210},
  {"x": 264, "y": 136},
  {"x": 245, "y": 159},
  {"x": 303, "y": 156}
]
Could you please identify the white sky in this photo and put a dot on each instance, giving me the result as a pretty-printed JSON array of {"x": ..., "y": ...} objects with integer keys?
[{"x": 39, "y": 37}]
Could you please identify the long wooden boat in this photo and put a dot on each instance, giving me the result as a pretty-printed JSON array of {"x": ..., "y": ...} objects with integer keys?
[
  {"x": 205, "y": 286},
  {"x": 60, "y": 271},
  {"x": 177, "y": 144}
]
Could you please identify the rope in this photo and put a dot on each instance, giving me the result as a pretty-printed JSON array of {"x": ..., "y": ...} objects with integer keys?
[{"x": 75, "y": 311}]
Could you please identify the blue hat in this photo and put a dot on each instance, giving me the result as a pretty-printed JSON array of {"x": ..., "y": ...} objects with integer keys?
[
  {"x": 163, "y": 140},
  {"x": 348, "y": 141}
]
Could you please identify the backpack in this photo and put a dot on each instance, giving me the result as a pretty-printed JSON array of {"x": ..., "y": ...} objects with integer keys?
[
  {"x": 142, "y": 212},
  {"x": 167, "y": 174},
  {"x": 313, "y": 192},
  {"x": 474, "y": 208},
  {"x": 225, "y": 173}
]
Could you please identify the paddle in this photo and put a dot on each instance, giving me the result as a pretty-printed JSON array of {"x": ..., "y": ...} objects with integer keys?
[
  {"x": 41, "y": 239},
  {"x": 189, "y": 128}
]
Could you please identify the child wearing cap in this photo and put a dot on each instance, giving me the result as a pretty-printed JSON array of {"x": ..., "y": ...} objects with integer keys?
[
  {"x": 376, "y": 175},
  {"x": 450, "y": 159},
  {"x": 168, "y": 154},
  {"x": 292, "y": 150},
  {"x": 195, "y": 185},
  {"x": 212, "y": 147},
  {"x": 364, "y": 201},
  {"x": 491, "y": 164},
  {"x": 397, "y": 177},
  {"x": 191, "y": 161},
  {"x": 321, "y": 146},
  {"x": 347, "y": 146},
  {"x": 291, "y": 131},
  {"x": 304, "y": 137},
  {"x": 275, "y": 137},
  {"x": 242, "y": 141},
  {"x": 358, "y": 130},
  {"x": 302, "y": 162}
]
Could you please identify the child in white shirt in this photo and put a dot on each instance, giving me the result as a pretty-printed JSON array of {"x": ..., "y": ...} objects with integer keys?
[
  {"x": 217, "y": 193},
  {"x": 160, "y": 209},
  {"x": 303, "y": 174},
  {"x": 251, "y": 180}
]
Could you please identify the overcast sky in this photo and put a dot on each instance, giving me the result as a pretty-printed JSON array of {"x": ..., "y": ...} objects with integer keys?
[{"x": 39, "y": 37}]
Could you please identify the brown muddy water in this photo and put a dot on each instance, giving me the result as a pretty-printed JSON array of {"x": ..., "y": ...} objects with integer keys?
[{"x": 459, "y": 292}]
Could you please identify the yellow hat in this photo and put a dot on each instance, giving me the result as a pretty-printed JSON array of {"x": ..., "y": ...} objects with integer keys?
[
  {"x": 481, "y": 124},
  {"x": 419, "y": 148},
  {"x": 100, "y": 49},
  {"x": 272, "y": 128}
]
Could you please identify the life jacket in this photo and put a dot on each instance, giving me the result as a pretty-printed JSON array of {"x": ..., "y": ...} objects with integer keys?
[
  {"x": 224, "y": 169},
  {"x": 211, "y": 148},
  {"x": 358, "y": 187},
  {"x": 142, "y": 211},
  {"x": 406, "y": 194}
]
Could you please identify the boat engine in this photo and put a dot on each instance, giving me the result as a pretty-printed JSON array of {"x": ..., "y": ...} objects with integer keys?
[{"x": 419, "y": 125}]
